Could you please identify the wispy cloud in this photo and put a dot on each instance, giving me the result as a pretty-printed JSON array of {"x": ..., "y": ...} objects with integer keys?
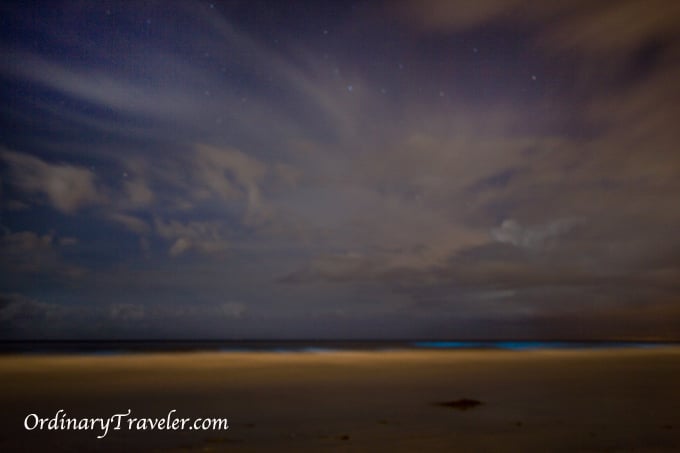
[
  {"x": 66, "y": 187},
  {"x": 206, "y": 237},
  {"x": 28, "y": 252}
]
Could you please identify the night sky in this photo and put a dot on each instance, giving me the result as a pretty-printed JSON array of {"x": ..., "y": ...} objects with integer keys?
[{"x": 398, "y": 169}]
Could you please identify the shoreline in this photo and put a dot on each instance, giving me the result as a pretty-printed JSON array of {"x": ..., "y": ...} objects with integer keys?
[{"x": 539, "y": 400}]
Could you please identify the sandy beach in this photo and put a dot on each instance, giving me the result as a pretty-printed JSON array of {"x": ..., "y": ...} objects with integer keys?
[{"x": 594, "y": 400}]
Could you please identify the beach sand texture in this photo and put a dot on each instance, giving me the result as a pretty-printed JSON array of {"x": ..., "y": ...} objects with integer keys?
[{"x": 591, "y": 400}]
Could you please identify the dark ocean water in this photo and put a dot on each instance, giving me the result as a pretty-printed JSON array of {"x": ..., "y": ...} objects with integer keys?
[{"x": 109, "y": 347}]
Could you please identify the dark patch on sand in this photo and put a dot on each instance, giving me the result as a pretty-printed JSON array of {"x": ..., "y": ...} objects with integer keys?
[{"x": 462, "y": 404}]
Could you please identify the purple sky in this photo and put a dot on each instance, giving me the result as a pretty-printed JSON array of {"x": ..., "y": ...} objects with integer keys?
[{"x": 424, "y": 169}]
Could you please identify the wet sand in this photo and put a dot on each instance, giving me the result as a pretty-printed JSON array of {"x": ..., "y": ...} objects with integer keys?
[{"x": 594, "y": 400}]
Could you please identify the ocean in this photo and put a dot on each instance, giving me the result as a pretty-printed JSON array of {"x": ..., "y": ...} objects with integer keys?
[{"x": 112, "y": 347}]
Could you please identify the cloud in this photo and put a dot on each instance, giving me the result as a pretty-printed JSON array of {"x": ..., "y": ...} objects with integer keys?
[
  {"x": 614, "y": 26},
  {"x": 15, "y": 205},
  {"x": 168, "y": 86},
  {"x": 130, "y": 222},
  {"x": 232, "y": 174},
  {"x": 66, "y": 241},
  {"x": 16, "y": 308},
  {"x": 127, "y": 312},
  {"x": 535, "y": 237},
  {"x": 105, "y": 89},
  {"x": 139, "y": 194},
  {"x": 442, "y": 15},
  {"x": 323, "y": 106},
  {"x": 66, "y": 187},
  {"x": 592, "y": 28},
  {"x": 233, "y": 309},
  {"x": 25, "y": 317},
  {"x": 204, "y": 237},
  {"x": 180, "y": 246},
  {"x": 28, "y": 252}
]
